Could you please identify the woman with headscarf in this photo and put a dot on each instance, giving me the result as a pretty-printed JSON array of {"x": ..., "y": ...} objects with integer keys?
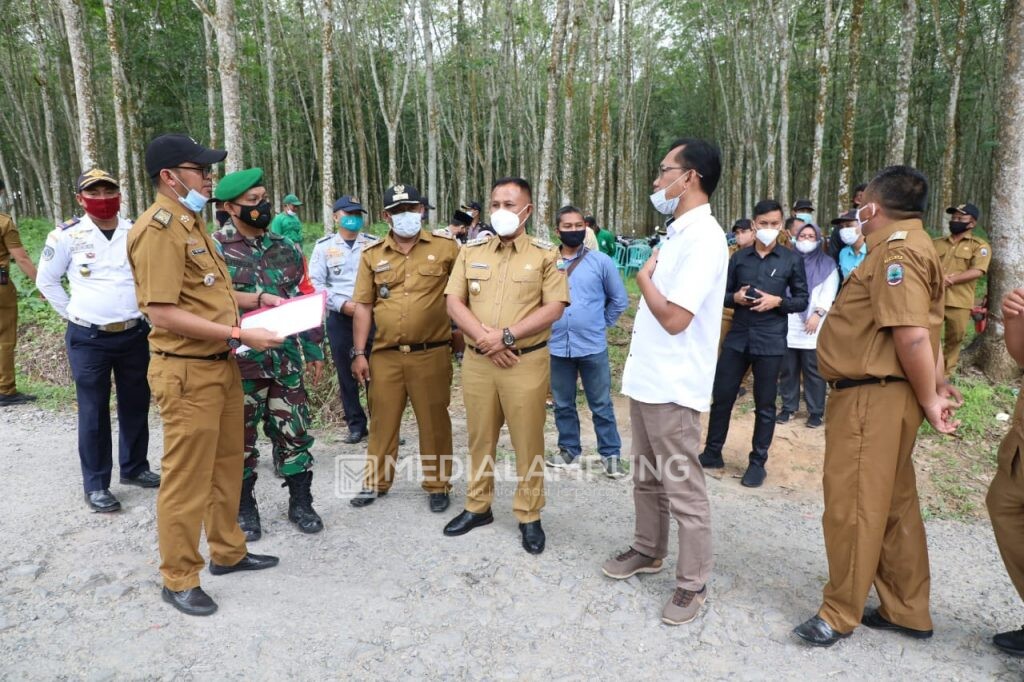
[{"x": 801, "y": 357}]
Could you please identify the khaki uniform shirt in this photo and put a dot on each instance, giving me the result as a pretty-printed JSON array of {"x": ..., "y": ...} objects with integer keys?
[
  {"x": 9, "y": 240},
  {"x": 407, "y": 290},
  {"x": 175, "y": 261},
  {"x": 899, "y": 284},
  {"x": 503, "y": 283},
  {"x": 968, "y": 253}
]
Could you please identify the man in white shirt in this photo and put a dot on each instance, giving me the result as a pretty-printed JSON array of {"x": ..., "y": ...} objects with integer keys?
[
  {"x": 105, "y": 332},
  {"x": 669, "y": 375}
]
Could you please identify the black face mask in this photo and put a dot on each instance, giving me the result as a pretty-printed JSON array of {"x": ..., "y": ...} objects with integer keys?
[
  {"x": 956, "y": 227},
  {"x": 572, "y": 238},
  {"x": 257, "y": 216}
]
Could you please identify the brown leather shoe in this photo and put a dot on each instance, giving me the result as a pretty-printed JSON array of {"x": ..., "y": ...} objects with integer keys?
[{"x": 684, "y": 606}]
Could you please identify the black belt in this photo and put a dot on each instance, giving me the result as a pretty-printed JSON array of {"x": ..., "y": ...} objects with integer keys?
[
  {"x": 850, "y": 383},
  {"x": 517, "y": 351},
  {"x": 413, "y": 347},
  {"x": 219, "y": 356}
]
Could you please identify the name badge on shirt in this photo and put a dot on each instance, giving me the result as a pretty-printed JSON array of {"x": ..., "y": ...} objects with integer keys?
[
  {"x": 480, "y": 266},
  {"x": 198, "y": 252},
  {"x": 382, "y": 266}
]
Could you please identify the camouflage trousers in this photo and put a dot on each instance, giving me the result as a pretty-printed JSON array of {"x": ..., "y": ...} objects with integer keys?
[{"x": 280, "y": 405}]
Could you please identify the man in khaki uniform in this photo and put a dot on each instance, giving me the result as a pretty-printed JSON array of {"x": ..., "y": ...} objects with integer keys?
[
  {"x": 504, "y": 294},
  {"x": 10, "y": 248},
  {"x": 1005, "y": 499},
  {"x": 400, "y": 289},
  {"x": 879, "y": 351},
  {"x": 184, "y": 288},
  {"x": 965, "y": 258}
]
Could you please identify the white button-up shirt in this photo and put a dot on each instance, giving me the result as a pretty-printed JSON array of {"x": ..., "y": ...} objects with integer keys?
[
  {"x": 100, "y": 278},
  {"x": 334, "y": 265},
  {"x": 691, "y": 271}
]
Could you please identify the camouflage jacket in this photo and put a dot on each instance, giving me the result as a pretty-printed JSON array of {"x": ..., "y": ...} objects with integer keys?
[{"x": 274, "y": 264}]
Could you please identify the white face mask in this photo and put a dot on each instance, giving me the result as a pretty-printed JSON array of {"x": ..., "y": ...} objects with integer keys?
[
  {"x": 767, "y": 235},
  {"x": 406, "y": 224},
  {"x": 849, "y": 235},
  {"x": 664, "y": 205},
  {"x": 806, "y": 247},
  {"x": 505, "y": 222},
  {"x": 862, "y": 223}
]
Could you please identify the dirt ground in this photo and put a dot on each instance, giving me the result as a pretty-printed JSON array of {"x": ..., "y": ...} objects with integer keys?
[{"x": 382, "y": 594}]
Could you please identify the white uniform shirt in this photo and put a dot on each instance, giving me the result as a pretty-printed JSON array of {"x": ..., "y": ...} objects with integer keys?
[
  {"x": 693, "y": 262},
  {"x": 334, "y": 265},
  {"x": 100, "y": 278}
]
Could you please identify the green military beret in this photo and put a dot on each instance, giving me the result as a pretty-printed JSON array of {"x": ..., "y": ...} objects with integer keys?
[{"x": 233, "y": 185}]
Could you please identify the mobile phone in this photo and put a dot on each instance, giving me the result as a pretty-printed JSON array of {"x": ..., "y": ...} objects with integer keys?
[{"x": 751, "y": 294}]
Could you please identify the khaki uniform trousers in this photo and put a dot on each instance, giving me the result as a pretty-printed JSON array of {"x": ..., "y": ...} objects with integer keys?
[
  {"x": 201, "y": 405},
  {"x": 1005, "y": 503},
  {"x": 515, "y": 396},
  {"x": 424, "y": 378},
  {"x": 668, "y": 480},
  {"x": 957, "y": 320},
  {"x": 872, "y": 520},
  {"x": 8, "y": 336}
]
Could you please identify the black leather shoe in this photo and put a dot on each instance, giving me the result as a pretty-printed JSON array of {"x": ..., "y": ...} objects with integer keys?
[
  {"x": 102, "y": 501},
  {"x": 147, "y": 479},
  {"x": 467, "y": 521},
  {"x": 439, "y": 502},
  {"x": 300, "y": 503},
  {"x": 354, "y": 437},
  {"x": 15, "y": 399},
  {"x": 250, "y": 562},
  {"x": 364, "y": 498},
  {"x": 711, "y": 461},
  {"x": 754, "y": 476},
  {"x": 1010, "y": 642},
  {"x": 533, "y": 536},
  {"x": 783, "y": 417},
  {"x": 873, "y": 619},
  {"x": 817, "y": 632},
  {"x": 193, "y": 602}
]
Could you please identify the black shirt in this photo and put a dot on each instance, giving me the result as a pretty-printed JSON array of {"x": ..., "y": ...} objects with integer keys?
[{"x": 780, "y": 273}]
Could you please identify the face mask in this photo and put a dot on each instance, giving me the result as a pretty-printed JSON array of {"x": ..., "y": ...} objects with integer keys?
[
  {"x": 406, "y": 224},
  {"x": 289, "y": 211},
  {"x": 193, "y": 201},
  {"x": 806, "y": 247},
  {"x": 664, "y": 205},
  {"x": 767, "y": 236},
  {"x": 104, "y": 209},
  {"x": 257, "y": 215},
  {"x": 957, "y": 227},
  {"x": 806, "y": 217},
  {"x": 505, "y": 222},
  {"x": 849, "y": 235},
  {"x": 572, "y": 238},
  {"x": 862, "y": 223},
  {"x": 352, "y": 223}
]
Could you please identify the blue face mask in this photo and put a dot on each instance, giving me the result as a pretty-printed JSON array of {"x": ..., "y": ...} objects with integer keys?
[
  {"x": 806, "y": 217},
  {"x": 352, "y": 223},
  {"x": 193, "y": 201}
]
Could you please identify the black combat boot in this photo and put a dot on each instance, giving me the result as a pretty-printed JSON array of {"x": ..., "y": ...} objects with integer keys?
[
  {"x": 300, "y": 503},
  {"x": 248, "y": 512}
]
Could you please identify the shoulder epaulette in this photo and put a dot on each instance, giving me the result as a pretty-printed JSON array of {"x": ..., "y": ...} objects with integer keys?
[
  {"x": 542, "y": 243},
  {"x": 324, "y": 239},
  {"x": 370, "y": 237},
  {"x": 71, "y": 222},
  {"x": 442, "y": 232},
  {"x": 373, "y": 243},
  {"x": 478, "y": 241},
  {"x": 162, "y": 217},
  {"x": 897, "y": 236}
]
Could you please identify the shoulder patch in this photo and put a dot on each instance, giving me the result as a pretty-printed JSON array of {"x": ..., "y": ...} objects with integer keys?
[
  {"x": 983, "y": 251},
  {"x": 69, "y": 223},
  {"x": 542, "y": 243},
  {"x": 442, "y": 232},
  {"x": 478, "y": 241},
  {"x": 897, "y": 236},
  {"x": 163, "y": 216}
]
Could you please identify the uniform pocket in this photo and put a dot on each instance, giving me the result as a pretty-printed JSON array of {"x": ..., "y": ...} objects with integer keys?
[
  {"x": 385, "y": 277},
  {"x": 430, "y": 270},
  {"x": 527, "y": 285}
]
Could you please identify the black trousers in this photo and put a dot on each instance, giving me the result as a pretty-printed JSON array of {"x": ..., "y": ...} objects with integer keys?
[
  {"x": 93, "y": 355},
  {"x": 802, "y": 362},
  {"x": 732, "y": 365},
  {"x": 339, "y": 332}
]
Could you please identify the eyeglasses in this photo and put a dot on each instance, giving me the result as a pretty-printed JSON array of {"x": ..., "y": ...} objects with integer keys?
[
  {"x": 205, "y": 171},
  {"x": 665, "y": 169}
]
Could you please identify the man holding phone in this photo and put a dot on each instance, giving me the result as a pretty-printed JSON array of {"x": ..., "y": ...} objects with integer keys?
[{"x": 766, "y": 282}]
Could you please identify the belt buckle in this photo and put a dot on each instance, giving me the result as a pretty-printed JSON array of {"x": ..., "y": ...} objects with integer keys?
[
  {"x": 115, "y": 327},
  {"x": 405, "y": 348}
]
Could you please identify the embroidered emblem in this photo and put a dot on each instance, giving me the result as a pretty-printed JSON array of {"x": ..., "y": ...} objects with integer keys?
[{"x": 894, "y": 274}]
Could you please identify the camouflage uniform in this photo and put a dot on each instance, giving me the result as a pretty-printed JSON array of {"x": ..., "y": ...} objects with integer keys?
[{"x": 272, "y": 379}]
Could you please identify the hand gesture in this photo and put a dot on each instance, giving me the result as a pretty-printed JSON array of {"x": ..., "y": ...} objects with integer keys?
[
  {"x": 766, "y": 302},
  {"x": 940, "y": 414},
  {"x": 316, "y": 369},
  {"x": 260, "y": 339},
  {"x": 361, "y": 369}
]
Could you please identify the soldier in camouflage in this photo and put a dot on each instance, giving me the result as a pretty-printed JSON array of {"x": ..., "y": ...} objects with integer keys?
[{"x": 260, "y": 261}]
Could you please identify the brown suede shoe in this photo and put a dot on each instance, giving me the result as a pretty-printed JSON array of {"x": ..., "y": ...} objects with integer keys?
[
  {"x": 629, "y": 563},
  {"x": 684, "y": 606}
]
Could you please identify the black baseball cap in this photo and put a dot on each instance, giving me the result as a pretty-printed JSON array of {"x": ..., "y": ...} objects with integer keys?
[
  {"x": 845, "y": 217},
  {"x": 426, "y": 203},
  {"x": 170, "y": 149},
  {"x": 803, "y": 203},
  {"x": 348, "y": 204},
  {"x": 969, "y": 209},
  {"x": 742, "y": 224},
  {"x": 401, "y": 194}
]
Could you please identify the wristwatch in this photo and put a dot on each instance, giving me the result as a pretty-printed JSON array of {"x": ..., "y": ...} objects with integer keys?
[
  {"x": 236, "y": 338},
  {"x": 507, "y": 337},
  {"x": 352, "y": 353},
  {"x": 820, "y": 312}
]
